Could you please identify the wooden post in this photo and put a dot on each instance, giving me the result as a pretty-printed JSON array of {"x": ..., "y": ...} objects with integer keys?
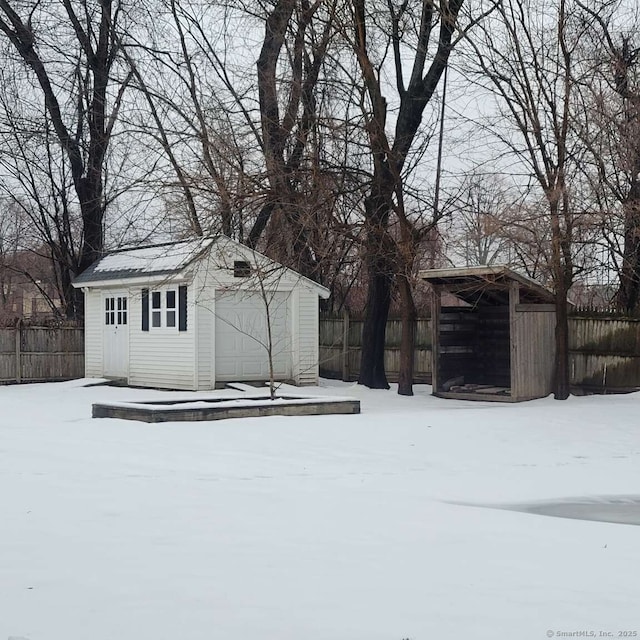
[
  {"x": 514, "y": 339},
  {"x": 435, "y": 336},
  {"x": 345, "y": 345},
  {"x": 18, "y": 333}
]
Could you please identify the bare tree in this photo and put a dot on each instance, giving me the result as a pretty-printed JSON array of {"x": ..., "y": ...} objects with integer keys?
[
  {"x": 196, "y": 114},
  {"x": 610, "y": 129},
  {"x": 260, "y": 161},
  {"x": 527, "y": 57},
  {"x": 297, "y": 35},
  {"x": 70, "y": 50},
  {"x": 12, "y": 240},
  {"x": 419, "y": 37},
  {"x": 479, "y": 232}
]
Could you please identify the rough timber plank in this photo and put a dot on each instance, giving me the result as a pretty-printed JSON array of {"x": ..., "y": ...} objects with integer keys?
[
  {"x": 477, "y": 396},
  {"x": 495, "y": 390}
]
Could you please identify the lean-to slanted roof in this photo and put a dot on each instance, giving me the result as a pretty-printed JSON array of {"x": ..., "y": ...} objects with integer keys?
[{"x": 487, "y": 284}]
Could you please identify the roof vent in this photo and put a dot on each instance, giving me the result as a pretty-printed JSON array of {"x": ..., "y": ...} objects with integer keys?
[{"x": 241, "y": 269}]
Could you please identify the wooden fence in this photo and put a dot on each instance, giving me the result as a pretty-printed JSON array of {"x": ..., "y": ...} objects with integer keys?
[
  {"x": 604, "y": 353},
  {"x": 340, "y": 357},
  {"x": 37, "y": 354}
]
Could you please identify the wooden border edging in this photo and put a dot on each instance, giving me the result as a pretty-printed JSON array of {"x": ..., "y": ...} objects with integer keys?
[{"x": 155, "y": 414}]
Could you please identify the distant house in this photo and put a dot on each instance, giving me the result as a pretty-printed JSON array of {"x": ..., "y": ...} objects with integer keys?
[
  {"x": 28, "y": 287},
  {"x": 192, "y": 314}
]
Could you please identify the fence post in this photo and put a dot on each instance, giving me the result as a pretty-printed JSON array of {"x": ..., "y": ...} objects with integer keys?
[
  {"x": 345, "y": 345},
  {"x": 18, "y": 335}
]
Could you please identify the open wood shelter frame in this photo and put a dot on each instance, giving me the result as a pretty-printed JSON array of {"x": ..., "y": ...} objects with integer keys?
[{"x": 499, "y": 345}]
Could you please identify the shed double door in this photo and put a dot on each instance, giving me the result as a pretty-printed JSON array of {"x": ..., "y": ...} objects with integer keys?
[{"x": 116, "y": 335}]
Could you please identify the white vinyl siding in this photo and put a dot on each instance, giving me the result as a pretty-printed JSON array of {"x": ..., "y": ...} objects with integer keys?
[
  {"x": 163, "y": 358},
  {"x": 205, "y": 347},
  {"x": 307, "y": 343},
  {"x": 94, "y": 320}
]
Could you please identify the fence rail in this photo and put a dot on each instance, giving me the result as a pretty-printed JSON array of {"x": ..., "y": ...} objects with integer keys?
[
  {"x": 604, "y": 353},
  {"x": 37, "y": 354}
]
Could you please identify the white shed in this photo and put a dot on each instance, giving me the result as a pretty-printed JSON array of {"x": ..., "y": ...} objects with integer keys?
[{"x": 188, "y": 315}]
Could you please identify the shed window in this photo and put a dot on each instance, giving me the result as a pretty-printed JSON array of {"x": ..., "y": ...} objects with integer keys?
[
  {"x": 171, "y": 308},
  {"x": 109, "y": 312},
  {"x": 168, "y": 309},
  {"x": 145, "y": 309},
  {"x": 156, "y": 313},
  {"x": 122, "y": 310},
  {"x": 115, "y": 308},
  {"x": 241, "y": 269}
]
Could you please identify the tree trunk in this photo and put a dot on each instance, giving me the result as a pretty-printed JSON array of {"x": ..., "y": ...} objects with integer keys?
[
  {"x": 408, "y": 338},
  {"x": 628, "y": 295},
  {"x": 92, "y": 210},
  {"x": 562, "y": 343},
  {"x": 378, "y": 255},
  {"x": 562, "y": 271},
  {"x": 73, "y": 299},
  {"x": 372, "y": 373}
]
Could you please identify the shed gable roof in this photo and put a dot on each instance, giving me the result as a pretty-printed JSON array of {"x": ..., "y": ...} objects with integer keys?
[
  {"x": 155, "y": 260},
  {"x": 168, "y": 259}
]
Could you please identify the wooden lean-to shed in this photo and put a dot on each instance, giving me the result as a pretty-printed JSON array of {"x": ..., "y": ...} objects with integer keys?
[
  {"x": 499, "y": 344},
  {"x": 194, "y": 314}
]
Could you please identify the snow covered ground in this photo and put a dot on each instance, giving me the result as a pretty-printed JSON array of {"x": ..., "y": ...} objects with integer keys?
[{"x": 324, "y": 527}]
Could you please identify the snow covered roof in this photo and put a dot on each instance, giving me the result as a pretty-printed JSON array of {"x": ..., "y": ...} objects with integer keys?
[
  {"x": 168, "y": 259},
  {"x": 155, "y": 260}
]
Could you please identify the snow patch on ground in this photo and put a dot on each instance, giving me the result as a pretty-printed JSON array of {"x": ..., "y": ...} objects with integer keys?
[{"x": 319, "y": 527}]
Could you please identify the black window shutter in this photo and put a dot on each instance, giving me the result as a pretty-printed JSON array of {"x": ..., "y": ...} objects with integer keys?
[
  {"x": 182, "y": 308},
  {"x": 145, "y": 309}
]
